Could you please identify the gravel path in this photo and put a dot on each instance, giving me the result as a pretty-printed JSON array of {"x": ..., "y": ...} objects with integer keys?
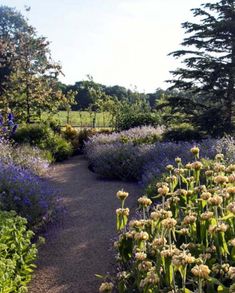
[{"x": 80, "y": 246}]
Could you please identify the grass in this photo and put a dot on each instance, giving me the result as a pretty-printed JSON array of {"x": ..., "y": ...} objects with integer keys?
[{"x": 83, "y": 118}]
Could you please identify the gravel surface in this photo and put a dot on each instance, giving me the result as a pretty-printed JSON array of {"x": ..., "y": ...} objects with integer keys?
[{"x": 80, "y": 245}]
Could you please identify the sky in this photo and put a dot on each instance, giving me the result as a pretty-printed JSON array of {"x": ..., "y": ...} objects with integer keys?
[{"x": 124, "y": 42}]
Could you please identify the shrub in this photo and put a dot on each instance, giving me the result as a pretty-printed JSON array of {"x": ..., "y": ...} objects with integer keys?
[
  {"x": 79, "y": 138},
  {"x": 17, "y": 253},
  {"x": 226, "y": 145},
  {"x": 82, "y": 136},
  {"x": 164, "y": 153},
  {"x": 60, "y": 148},
  {"x": 113, "y": 159},
  {"x": 69, "y": 132},
  {"x": 185, "y": 242},
  {"x": 184, "y": 131},
  {"x": 137, "y": 135},
  {"x": 31, "y": 158},
  {"x": 33, "y": 134},
  {"x": 54, "y": 124},
  {"x": 121, "y": 155},
  {"x": 27, "y": 194},
  {"x": 118, "y": 160},
  {"x": 43, "y": 137},
  {"x": 131, "y": 120}
]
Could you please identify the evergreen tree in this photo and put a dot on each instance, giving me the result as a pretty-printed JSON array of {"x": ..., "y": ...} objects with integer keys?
[{"x": 208, "y": 71}]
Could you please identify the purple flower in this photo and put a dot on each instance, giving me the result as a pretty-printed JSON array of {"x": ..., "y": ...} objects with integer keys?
[{"x": 10, "y": 116}]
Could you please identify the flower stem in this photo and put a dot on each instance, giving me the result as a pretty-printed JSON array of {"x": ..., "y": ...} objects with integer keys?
[{"x": 200, "y": 285}]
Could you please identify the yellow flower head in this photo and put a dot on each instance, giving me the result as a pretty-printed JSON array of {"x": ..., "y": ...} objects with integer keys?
[
  {"x": 201, "y": 271},
  {"x": 144, "y": 201},
  {"x": 219, "y": 157},
  {"x": 122, "y": 195},
  {"x": 195, "y": 151},
  {"x": 169, "y": 223},
  {"x": 220, "y": 179},
  {"x": 123, "y": 212},
  {"x": 163, "y": 190},
  {"x": 106, "y": 287},
  {"x": 197, "y": 165}
]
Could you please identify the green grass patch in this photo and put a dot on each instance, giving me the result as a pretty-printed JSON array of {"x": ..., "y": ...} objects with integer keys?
[{"x": 82, "y": 118}]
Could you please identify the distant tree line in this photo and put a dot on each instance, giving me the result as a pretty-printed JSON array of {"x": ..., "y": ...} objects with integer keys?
[{"x": 85, "y": 95}]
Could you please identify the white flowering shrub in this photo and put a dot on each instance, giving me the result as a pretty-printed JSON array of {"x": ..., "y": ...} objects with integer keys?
[{"x": 185, "y": 241}]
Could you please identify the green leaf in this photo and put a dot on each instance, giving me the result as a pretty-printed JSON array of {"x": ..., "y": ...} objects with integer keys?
[
  {"x": 99, "y": 276},
  {"x": 222, "y": 289},
  {"x": 233, "y": 253},
  {"x": 187, "y": 291},
  {"x": 229, "y": 216},
  {"x": 223, "y": 243}
]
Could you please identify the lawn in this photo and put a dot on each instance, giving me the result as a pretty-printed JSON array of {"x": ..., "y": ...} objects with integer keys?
[{"x": 83, "y": 118}]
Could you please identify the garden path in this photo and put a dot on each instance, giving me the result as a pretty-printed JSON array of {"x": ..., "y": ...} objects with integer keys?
[{"x": 80, "y": 246}]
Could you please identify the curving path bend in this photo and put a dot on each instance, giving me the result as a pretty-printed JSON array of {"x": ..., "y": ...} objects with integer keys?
[{"x": 81, "y": 245}]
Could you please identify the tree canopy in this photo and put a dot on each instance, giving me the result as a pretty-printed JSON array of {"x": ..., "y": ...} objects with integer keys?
[
  {"x": 208, "y": 71},
  {"x": 28, "y": 81}
]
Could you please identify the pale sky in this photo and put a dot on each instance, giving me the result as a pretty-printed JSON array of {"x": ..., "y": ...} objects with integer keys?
[{"x": 122, "y": 42}]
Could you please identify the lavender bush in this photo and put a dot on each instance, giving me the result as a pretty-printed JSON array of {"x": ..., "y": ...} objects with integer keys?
[
  {"x": 31, "y": 158},
  {"x": 226, "y": 145},
  {"x": 26, "y": 193},
  {"x": 112, "y": 157},
  {"x": 137, "y": 135},
  {"x": 164, "y": 153},
  {"x": 118, "y": 160}
]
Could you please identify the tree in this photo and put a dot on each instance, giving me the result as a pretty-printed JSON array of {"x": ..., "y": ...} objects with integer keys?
[
  {"x": 30, "y": 83},
  {"x": 208, "y": 74},
  {"x": 12, "y": 24},
  {"x": 69, "y": 101}
]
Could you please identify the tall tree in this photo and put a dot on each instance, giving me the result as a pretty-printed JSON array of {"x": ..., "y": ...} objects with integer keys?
[
  {"x": 30, "y": 85},
  {"x": 208, "y": 72},
  {"x": 12, "y": 24}
]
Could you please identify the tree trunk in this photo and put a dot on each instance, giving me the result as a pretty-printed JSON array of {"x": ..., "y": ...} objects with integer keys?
[{"x": 27, "y": 105}]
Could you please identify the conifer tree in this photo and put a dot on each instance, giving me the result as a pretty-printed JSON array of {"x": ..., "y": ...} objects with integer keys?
[{"x": 208, "y": 71}]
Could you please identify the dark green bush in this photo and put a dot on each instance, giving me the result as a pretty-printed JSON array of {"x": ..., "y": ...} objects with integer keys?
[
  {"x": 83, "y": 135},
  {"x": 42, "y": 136},
  {"x": 131, "y": 120},
  {"x": 33, "y": 134},
  {"x": 17, "y": 253},
  {"x": 60, "y": 148},
  {"x": 182, "y": 132},
  {"x": 54, "y": 124}
]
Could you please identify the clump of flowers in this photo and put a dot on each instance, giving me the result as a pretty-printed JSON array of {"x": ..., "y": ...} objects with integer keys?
[
  {"x": 185, "y": 241},
  {"x": 7, "y": 126},
  {"x": 25, "y": 156},
  {"x": 27, "y": 194}
]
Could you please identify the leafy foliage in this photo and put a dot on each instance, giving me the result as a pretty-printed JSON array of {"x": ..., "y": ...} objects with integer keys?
[
  {"x": 29, "y": 83},
  {"x": 42, "y": 136},
  {"x": 17, "y": 253},
  {"x": 183, "y": 131}
]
